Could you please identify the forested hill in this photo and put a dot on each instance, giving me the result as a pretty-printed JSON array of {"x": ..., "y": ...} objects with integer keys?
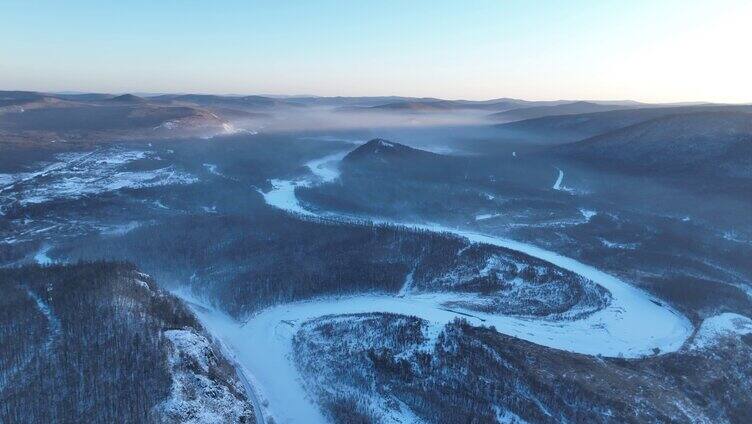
[
  {"x": 715, "y": 143},
  {"x": 560, "y": 129},
  {"x": 385, "y": 151},
  {"x": 100, "y": 343},
  {"x": 394, "y": 160}
]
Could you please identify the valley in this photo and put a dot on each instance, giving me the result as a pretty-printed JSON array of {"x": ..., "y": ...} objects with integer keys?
[
  {"x": 384, "y": 212},
  {"x": 275, "y": 240}
]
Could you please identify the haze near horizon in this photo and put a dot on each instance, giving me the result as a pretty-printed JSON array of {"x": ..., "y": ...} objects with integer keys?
[{"x": 668, "y": 52}]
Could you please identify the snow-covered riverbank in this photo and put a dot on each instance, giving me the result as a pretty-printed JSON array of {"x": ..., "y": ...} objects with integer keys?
[{"x": 633, "y": 325}]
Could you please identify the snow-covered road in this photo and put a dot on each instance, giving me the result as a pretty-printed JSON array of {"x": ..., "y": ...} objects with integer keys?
[
  {"x": 634, "y": 324},
  {"x": 559, "y": 179},
  {"x": 52, "y": 319}
]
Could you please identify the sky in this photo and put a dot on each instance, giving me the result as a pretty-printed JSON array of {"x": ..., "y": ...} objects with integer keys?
[{"x": 656, "y": 51}]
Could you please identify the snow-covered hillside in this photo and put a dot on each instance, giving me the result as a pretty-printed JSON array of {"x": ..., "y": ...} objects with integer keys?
[
  {"x": 74, "y": 175},
  {"x": 101, "y": 343}
]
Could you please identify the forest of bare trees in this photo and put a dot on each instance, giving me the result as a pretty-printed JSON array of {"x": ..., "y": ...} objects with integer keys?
[{"x": 86, "y": 343}]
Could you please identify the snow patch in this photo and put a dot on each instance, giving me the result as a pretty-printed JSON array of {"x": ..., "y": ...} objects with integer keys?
[
  {"x": 505, "y": 416},
  {"x": 6, "y": 179},
  {"x": 41, "y": 256},
  {"x": 407, "y": 286},
  {"x": 485, "y": 216},
  {"x": 195, "y": 398},
  {"x": 230, "y": 129},
  {"x": 588, "y": 214},
  {"x": 160, "y": 205},
  {"x": 212, "y": 168},
  {"x": 557, "y": 183},
  {"x": 560, "y": 187},
  {"x": 143, "y": 284},
  {"x": 168, "y": 125},
  {"x": 615, "y": 245},
  {"x": 77, "y": 175},
  {"x": 732, "y": 235},
  {"x": 715, "y": 328},
  {"x": 120, "y": 229}
]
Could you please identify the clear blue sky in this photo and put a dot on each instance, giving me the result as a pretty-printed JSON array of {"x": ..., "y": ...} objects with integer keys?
[{"x": 665, "y": 50}]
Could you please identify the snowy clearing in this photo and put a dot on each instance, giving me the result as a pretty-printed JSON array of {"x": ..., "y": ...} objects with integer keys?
[
  {"x": 716, "y": 327},
  {"x": 75, "y": 175}
]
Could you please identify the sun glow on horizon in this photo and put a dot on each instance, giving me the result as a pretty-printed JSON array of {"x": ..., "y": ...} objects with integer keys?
[{"x": 668, "y": 51}]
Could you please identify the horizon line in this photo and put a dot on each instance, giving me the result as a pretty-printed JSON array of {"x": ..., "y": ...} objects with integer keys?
[{"x": 292, "y": 96}]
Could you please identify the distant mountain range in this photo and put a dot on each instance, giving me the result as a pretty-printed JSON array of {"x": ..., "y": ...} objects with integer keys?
[
  {"x": 245, "y": 102},
  {"x": 438, "y": 105},
  {"x": 43, "y": 118}
]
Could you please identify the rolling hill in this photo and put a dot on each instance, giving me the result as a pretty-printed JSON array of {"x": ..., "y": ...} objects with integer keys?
[
  {"x": 430, "y": 105},
  {"x": 28, "y": 117},
  {"x": 573, "y": 108},
  {"x": 561, "y": 129},
  {"x": 700, "y": 143}
]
